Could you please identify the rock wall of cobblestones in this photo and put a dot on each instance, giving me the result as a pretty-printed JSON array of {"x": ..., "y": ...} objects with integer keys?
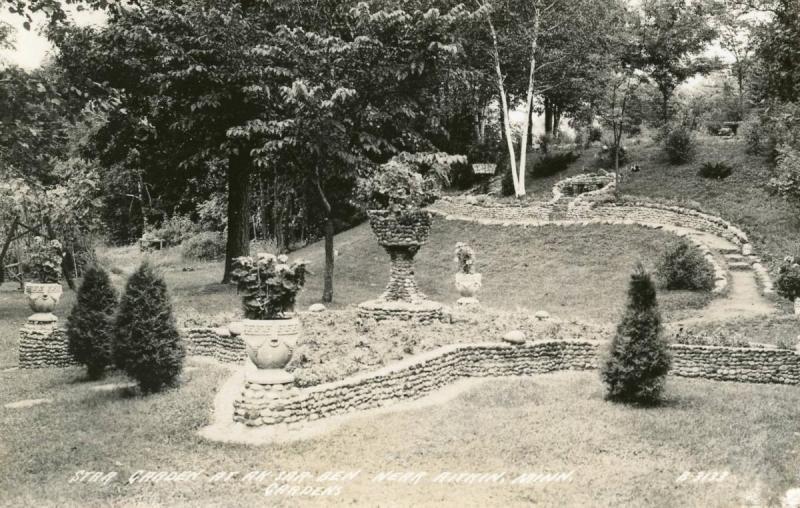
[
  {"x": 43, "y": 345},
  {"x": 418, "y": 376}
]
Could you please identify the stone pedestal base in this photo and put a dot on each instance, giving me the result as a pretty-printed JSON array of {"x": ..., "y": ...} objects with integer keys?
[
  {"x": 43, "y": 344},
  {"x": 263, "y": 404},
  {"x": 420, "y": 311},
  {"x": 468, "y": 301},
  {"x": 268, "y": 377}
]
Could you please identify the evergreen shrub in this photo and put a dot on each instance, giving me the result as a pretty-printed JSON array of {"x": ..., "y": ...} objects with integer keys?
[
  {"x": 147, "y": 345},
  {"x": 683, "y": 266},
  {"x": 636, "y": 364},
  {"x": 90, "y": 326}
]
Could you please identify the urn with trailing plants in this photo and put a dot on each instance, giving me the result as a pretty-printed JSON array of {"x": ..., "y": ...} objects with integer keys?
[
  {"x": 269, "y": 286},
  {"x": 395, "y": 196},
  {"x": 468, "y": 283},
  {"x": 44, "y": 268}
]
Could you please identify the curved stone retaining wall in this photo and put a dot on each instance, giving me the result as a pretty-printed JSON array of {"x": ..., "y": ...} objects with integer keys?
[
  {"x": 640, "y": 212},
  {"x": 418, "y": 376},
  {"x": 409, "y": 379}
]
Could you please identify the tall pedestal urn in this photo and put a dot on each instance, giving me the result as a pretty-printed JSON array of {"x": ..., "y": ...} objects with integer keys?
[
  {"x": 401, "y": 235},
  {"x": 42, "y": 299}
]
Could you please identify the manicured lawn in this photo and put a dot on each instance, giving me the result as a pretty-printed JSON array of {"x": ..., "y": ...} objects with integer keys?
[
  {"x": 573, "y": 272},
  {"x": 620, "y": 455}
]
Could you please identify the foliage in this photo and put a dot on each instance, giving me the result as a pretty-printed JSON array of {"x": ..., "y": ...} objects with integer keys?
[
  {"x": 465, "y": 257},
  {"x": 269, "y": 284},
  {"x": 787, "y": 173},
  {"x": 90, "y": 326},
  {"x": 205, "y": 246},
  {"x": 175, "y": 230},
  {"x": 682, "y": 266},
  {"x": 44, "y": 264},
  {"x": 553, "y": 163},
  {"x": 595, "y": 134},
  {"x": 715, "y": 170},
  {"x": 147, "y": 346},
  {"x": 778, "y": 54},
  {"x": 780, "y": 124},
  {"x": 407, "y": 182},
  {"x": 751, "y": 132},
  {"x": 212, "y": 213},
  {"x": 788, "y": 283},
  {"x": 671, "y": 34},
  {"x": 679, "y": 144},
  {"x": 638, "y": 360}
]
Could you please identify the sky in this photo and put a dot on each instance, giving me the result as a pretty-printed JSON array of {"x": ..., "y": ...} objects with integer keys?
[{"x": 30, "y": 47}]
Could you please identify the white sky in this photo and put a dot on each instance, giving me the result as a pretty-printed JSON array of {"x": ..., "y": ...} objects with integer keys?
[{"x": 30, "y": 47}]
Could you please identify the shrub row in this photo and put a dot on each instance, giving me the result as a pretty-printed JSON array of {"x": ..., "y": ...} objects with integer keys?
[{"x": 140, "y": 338}]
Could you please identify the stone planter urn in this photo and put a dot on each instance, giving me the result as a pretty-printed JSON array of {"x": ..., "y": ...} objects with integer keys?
[
  {"x": 401, "y": 235},
  {"x": 43, "y": 298},
  {"x": 269, "y": 344},
  {"x": 468, "y": 285}
]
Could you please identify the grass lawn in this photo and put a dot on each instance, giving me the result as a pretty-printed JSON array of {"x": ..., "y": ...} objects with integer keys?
[
  {"x": 620, "y": 455},
  {"x": 574, "y": 272}
]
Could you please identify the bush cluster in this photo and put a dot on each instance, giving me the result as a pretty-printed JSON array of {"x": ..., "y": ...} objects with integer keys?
[
  {"x": 682, "y": 266},
  {"x": 148, "y": 347},
  {"x": 717, "y": 171},
  {"x": 638, "y": 359},
  {"x": 787, "y": 173},
  {"x": 174, "y": 230},
  {"x": 679, "y": 145},
  {"x": 788, "y": 283},
  {"x": 595, "y": 134},
  {"x": 552, "y": 163},
  {"x": 205, "y": 246}
]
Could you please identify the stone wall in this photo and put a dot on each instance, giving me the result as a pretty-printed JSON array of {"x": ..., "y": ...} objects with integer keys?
[
  {"x": 46, "y": 346},
  {"x": 43, "y": 345},
  {"x": 217, "y": 343},
  {"x": 418, "y": 376},
  {"x": 749, "y": 365},
  {"x": 639, "y": 212},
  {"x": 408, "y": 379}
]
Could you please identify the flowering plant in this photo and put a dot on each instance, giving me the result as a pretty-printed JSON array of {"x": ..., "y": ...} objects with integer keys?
[
  {"x": 407, "y": 182},
  {"x": 465, "y": 257},
  {"x": 44, "y": 265},
  {"x": 788, "y": 283},
  {"x": 269, "y": 284}
]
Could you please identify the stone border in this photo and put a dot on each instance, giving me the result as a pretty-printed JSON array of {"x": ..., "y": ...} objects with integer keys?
[
  {"x": 720, "y": 274},
  {"x": 420, "y": 375}
]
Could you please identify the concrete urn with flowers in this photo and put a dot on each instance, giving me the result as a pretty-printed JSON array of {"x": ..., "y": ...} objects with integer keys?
[
  {"x": 468, "y": 283},
  {"x": 44, "y": 267},
  {"x": 269, "y": 286}
]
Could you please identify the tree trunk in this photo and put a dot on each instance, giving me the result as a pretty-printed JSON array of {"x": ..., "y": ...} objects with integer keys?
[
  {"x": 327, "y": 289},
  {"x": 12, "y": 230},
  {"x": 238, "y": 242},
  {"x": 548, "y": 116},
  {"x": 556, "y": 120}
]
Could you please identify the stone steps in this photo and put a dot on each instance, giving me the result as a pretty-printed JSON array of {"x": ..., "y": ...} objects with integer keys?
[{"x": 739, "y": 265}]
